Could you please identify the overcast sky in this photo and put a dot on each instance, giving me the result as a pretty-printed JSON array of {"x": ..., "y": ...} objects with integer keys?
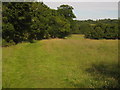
[{"x": 89, "y": 9}]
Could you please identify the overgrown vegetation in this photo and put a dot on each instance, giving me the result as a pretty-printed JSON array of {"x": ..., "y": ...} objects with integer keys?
[
  {"x": 23, "y": 21},
  {"x": 27, "y": 21},
  {"x": 74, "y": 62},
  {"x": 99, "y": 29}
]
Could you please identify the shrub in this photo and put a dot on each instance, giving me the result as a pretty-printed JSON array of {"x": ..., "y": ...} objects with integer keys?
[
  {"x": 5, "y": 43},
  {"x": 103, "y": 31}
]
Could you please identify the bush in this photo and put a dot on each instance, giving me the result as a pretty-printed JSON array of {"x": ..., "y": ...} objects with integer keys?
[
  {"x": 32, "y": 41},
  {"x": 5, "y": 43},
  {"x": 103, "y": 31}
]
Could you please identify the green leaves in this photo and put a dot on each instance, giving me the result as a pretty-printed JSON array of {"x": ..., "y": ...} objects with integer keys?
[
  {"x": 66, "y": 11},
  {"x": 16, "y": 21},
  {"x": 25, "y": 21},
  {"x": 103, "y": 31},
  {"x": 48, "y": 23}
]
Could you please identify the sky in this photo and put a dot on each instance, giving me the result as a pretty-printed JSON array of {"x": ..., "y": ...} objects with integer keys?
[{"x": 88, "y": 9}]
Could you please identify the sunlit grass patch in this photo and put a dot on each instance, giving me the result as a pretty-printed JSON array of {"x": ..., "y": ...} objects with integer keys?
[{"x": 61, "y": 63}]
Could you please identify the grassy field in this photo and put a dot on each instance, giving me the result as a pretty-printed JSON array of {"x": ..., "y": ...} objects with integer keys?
[{"x": 61, "y": 63}]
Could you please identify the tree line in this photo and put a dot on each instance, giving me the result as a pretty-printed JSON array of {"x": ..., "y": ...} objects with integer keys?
[
  {"x": 29, "y": 21},
  {"x": 99, "y": 29}
]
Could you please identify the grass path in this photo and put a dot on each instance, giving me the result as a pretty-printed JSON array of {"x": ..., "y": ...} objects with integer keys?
[{"x": 62, "y": 63}]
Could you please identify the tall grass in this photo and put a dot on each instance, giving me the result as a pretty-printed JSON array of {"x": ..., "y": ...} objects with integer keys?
[{"x": 61, "y": 63}]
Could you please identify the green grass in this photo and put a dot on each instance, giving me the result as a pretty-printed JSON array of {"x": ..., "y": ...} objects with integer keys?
[{"x": 61, "y": 63}]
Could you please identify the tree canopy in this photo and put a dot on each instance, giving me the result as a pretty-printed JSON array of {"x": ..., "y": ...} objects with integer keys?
[{"x": 29, "y": 21}]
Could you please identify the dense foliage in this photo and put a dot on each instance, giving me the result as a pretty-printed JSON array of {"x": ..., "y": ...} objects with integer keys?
[
  {"x": 99, "y": 29},
  {"x": 29, "y": 21},
  {"x": 34, "y": 21},
  {"x": 16, "y": 21}
]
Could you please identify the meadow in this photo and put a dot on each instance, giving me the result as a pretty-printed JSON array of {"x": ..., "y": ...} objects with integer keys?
[{"x": 73, "y": 62}]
